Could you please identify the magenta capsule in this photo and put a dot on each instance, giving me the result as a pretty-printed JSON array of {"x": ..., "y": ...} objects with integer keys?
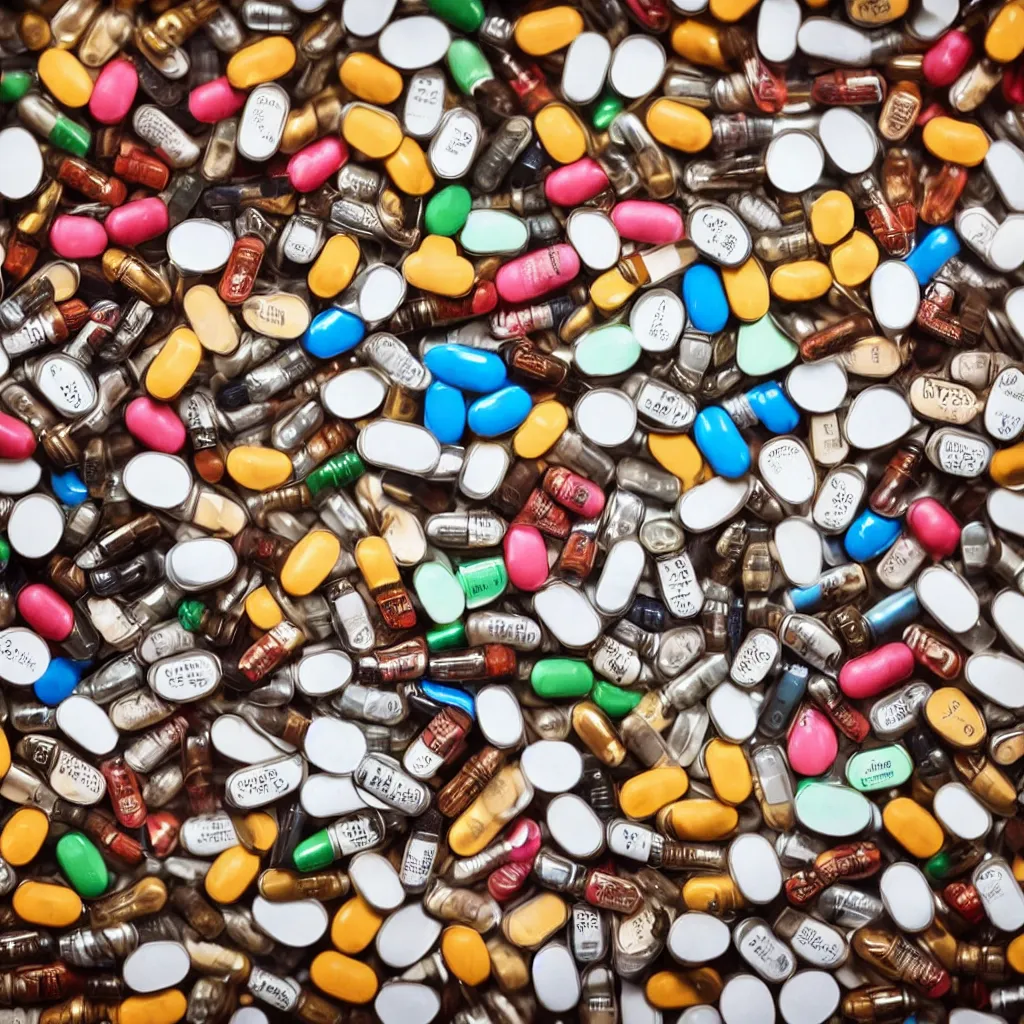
[
  {"x": 526, "y": 557},
  {"x": 46, "y": 612},
  {"x": 137, "y": 222},
  {"x": 314, "y": 164},
  {"x": 811, "y": 745},
  {"x": 215, "y": 101},
  {"x": 77, "y": 238},
  {"x": 945, "y": 60},
  {"x": 536, "y": 273},
  {"x": 575, "y": 183},
  {"x": 875, "y": 672},
  {"x": 934, "y": 527},
  {"x": 16, "y": 438},
  {"x": 114, "y": 92},
  {"x": 155, "y": 425},
  {"x": 641, "y": 220}
]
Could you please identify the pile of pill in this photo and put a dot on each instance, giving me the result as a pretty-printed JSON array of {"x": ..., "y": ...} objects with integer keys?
[{"x": 511, "y": 511}]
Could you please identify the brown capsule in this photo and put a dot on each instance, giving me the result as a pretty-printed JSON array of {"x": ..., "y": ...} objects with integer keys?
[
  {"x": 894, "y": 957},
  {"x": 278, "y": 884},
  {"x": 146, "y": 896},
  {"x": 469, "y": 781}
]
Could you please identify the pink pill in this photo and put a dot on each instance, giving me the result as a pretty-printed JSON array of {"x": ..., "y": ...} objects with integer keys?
[
  {"x": 155, "y": 425},
  {"x": 575, "y": 183},
  {"x": 811, "y": 745},
  {"x": 77, "y": 238},
  {"x": 946, "y": 60},
  {"x": 640, "y": 220},
  {"x": 934, "y": 526},
  {"x": 314, "y": 164},
  {"x": 114, "y": 92},
  {"x": 215, "y": 101},
  {"x": 526, "y": 557},
  {"x": 536, "y": 273},
  {"x": 137, "y": 222},
  {"x": 16, "y": 438},
  {"x": 46, "y": 612},
  {"x": 873, "y": 673}
]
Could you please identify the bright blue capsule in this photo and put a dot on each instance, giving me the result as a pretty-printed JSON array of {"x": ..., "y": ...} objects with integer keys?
[
  {"x": 869, "y": 535},
  {"x": 936, "y": 249},
  {"x": 893, "y": 612},
  {"x": 444, "y": 412},
  {"x": 59, "y": 679},
  {"x": 721, "y": 443},
  {"x": 471, "y": 369},
  {"x": 450, "y": 695},
  {"x": 69, "y": 487},
  {"x": 772, "y": 407},
  {"x": 704, "y": 298},
  {"x": 501, "y": 412},
  {"x": 333, "y": 332}
]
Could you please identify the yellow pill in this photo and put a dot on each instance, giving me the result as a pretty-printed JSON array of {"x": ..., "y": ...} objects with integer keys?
[
  {"x": 800, "y": 281},
  {"x": 678, "y": 125},
  {"x": 832, "y": 217},
  {"x": 264, "y": 61},
  {"x": 342, "y": 977},
  {"x": 215, "y": 327},
  {"x": 534, "y": 921},
  {"x": 700, "y": 43},
  {"x": 309, "y": 562},
  {"x": 355, "y": 925},
  {"x": 611, "y": 291},
  {"x": 1015, "y": 950},
  {"x": 957, "y": 142},
  {"x": 409, "y": 169},
  {"x": 371, "y": 130},
  {"x": 488, "y": 814},
  {"x": 465, "y": 953},
  {"x": 731, "y": 10},
  {"x": 283, "y": 315},
  {"x": 1007, "y": 466},
  {"x": 263, "y": 611},
  {"x": 561, "y": 133},
  {"x": 165, "y": 1007},
  {"x": 5, "y": 755},
  {"x": 952, "y": 714},
  {"x": 645, "y": 794},
  {"x": 872, "y": 13},
  {"x": 46, "y": 904},
  {"x": 544, "y": 425},
  {"x": 1004, "y": 40},
  {"x": 700, "y": 820},
  {"x": 257, "y": 832},
  {"x": 714, "y": 894},
  {"x": 852, "y": 262},
  {"x": 23, "y": 835},
  {"x": 334, "y": 267},
  {"x": 913, "y": 827},
  {"x": 1017, "y": 867},
  {"x": 231, "y": 874},
  {"x": 258, "y": 469},
  {"x": 679, "y": 455},
  {"x": 542, "y": 32},
  {"x": 177, "y": 360},
  {"x": 65, "y": 76},
  {"x": 370, "y": 79},
  {"x": 437, "y": 267},
  {"x": 746, "y": 288},
  {"x": 729, "y": 772},
  {"x": 673, "y": 990},
  {"x": 373, "y": 556}
]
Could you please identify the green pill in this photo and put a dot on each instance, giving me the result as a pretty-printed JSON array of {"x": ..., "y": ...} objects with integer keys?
[
  {"x": 613, "y": 700},
  {"x": 444, "y": 638},
  {"x": 338, "y": 471},
  {"x": 483, "y": 580},
  {"x": 468, "y": 65},
  {"x": 447, "y": 211},
  {"x": 606, "y": 109},
  {"x": 82, "y": 864},
  {"x": 465, "y": 15},
  {"x": 881, "y": 768},
  {"x": 561, "y": 677}
]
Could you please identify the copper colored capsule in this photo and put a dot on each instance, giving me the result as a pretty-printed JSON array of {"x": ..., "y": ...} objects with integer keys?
[
  {"x": 850, "y": 862},
  {"x": 942, "y": 191},
  {"x": 162, "y": 830},
  {"x": 579, "y": 553},
  {"x": 527, "y": 362},
  {"x": 147, "y": 896},
  {"x": 507, "y": 881},
  {"x": 598, "y": 734},
  {"x": 612, "y": 892},
  {"x": 894, "y": 957},
  {"x": 239, "y": 276},
  {"x": 278, "y": 884},
  {"x": 898, "y": 116},
  {"x": 201, "y": 915},
  {"x": 848, "y": 87},
  {"x": 541, "y": 511},
  {"x": 103, "y": 831},
  {"x": 470, "y": 781},
  {"x": 836, "y": 337},
  {"x": 934, "y": 651},
  {"x": 874, "y": 1004},
  {"x": 140, "y": 167},
  {"x": 125, "y": 792},
  {"x": 804, "y": 886}
]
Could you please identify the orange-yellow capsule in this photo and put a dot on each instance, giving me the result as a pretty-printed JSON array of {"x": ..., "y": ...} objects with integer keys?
[
  {"x": 5, "y": 755},
  {"x": 23, "y": 836},
  {"x": 542, "y": 32},
  {"x": 746, "y": 288},
  {"x": 65, "y": 77},
  {"x": 409, "y": 170},
  {"x": 231, "y": 874},
  {"x": 678, "y": 125},
  {"x": 485, "y": 817},
  {"x": 871, "y": 13},
  {"x": 955, "y": 141},
  {"x": 1004, "y": 40},
  {"x": 370, "y": 79},
  {"x": 1015, "y": 950},
  {"x": 215, "y": 327},
  {"x": 264, "y": 61},
  {"x": 731, "y": 10},
  {"x": 680, "y": 456},
  {"x": 561, "y": 133},
  {"x": 355, "y": 925},
  {"x": 437, "y": 267},
  {"x": 535, "y": 920},
  {"x": 698, "y": 819},
  {"x": 310, "y": 562},
  {"x": 371, "y": 130},
  {"x": 543, "y": 426},
  {"x": 914, "y": 828},
  {"x": 729, "y": 771},
  {"x": 832, "y": 217},
  {"x": 645, "y": 794},
  {"x": 713, "y": 894},
  {"x": 699, "y": 43},
  {"x": 611, "y": 291},
  {"x": 852, "y": 262},
  {"x": 800, "y": 281},
  {"x": 1007, "y": 466},
  {"x": 46, "y": 904},
  {"x": 258, "y": 469},
  {"x": 167, "y": 1007},
  {"x": 465, "y": 953},
  {"x": 342, "y": 977},
  {"x": 263, "y": 611},
  {"x": 376, "y": 563},
  {"x": 177, "y": 360},
  {"x": 334, "y": 267},
  {"x": 673, "y": 990}
]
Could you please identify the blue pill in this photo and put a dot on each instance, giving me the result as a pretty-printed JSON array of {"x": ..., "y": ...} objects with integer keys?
[
  {"x": 869, "y": 535},
  {"x": 444, "y": 412},
  {"x": 704, "y": 298},
  {"x": 773, "y": 408},
  {"x": 894, "y": 612},
  {"x": 933, "y": 251},
  {"x": 450, "y": 695},
  {"x": 721, "y": 443},
  {"x": 806, "y": 599},
  {"x": 69, "y": 487},
  {"x": 471, "y": 369},
  {"x": 501, "y": 412},
  {"x": 59, "y": 679},
  {"x": 332, "y": 332}
]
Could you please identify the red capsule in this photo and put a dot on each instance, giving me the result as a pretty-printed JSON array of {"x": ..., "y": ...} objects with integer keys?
[
  {"x": 934, "y": 527},
  {"x": 507, "y": 881},
  {"x": 46, "y": 612},
  {"x": 162, "y": 830},
  {"x": 125, "y": 792}
]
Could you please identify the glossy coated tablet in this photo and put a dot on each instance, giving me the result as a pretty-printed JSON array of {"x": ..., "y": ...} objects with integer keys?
[
  {"x": 199, "y": 246},
  {"x": 155, "y": 965},
  {"x": 407, "y": 936},
  {"x": 794, "y": 161},
  {"x": 335, "y": 746},
  {"x": 907, "y": 896},
  {"x": 35, "y": 526},
  {"x": 552, "y": 766},
  {"x": 696, "y": 938},
  {"x": 575, "y": 827},
  {"x": 295, "y": 923}
]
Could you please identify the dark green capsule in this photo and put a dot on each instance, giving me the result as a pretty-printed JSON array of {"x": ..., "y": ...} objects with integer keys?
[
  {"x": 444, "y": 638},
  {"x": 552, "y": 678},
  {"x": 338, "y": 471},
  {"x": 613, "y": 700},
  {"x": 606, "y": 109},
  {"x": 14, "y": 85},
  {"x": 465, "y": 15},
  {"x": 82, "y": 864}
]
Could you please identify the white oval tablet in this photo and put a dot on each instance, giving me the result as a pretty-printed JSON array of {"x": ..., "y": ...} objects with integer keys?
[
  {"x": 381, "y": 291},
  {"x": 200, "y": 564},
  {"x": 331, "y": 796},
  {"x": 712, "y": 503},
  {"x": 406, "y": 1002},
  {"x": 206, "y": 835},
  {"x": 200, "y": 246},
  {"x": 234, "y": 738},
  {"x": 777, "y": 24},
  {"x": 755, "y": 658},
  {"x": 552, "y": 766},
  {"x": 266, "y": 783},
  {"x": 556, "y": 982},
  {"x": 787, "y": 470},
  {"x": 376, "y": 880},
  {"x": 35, "y": 526},
  {"x": 499, "y": 717},
  {"x": 835, "y": 41},
  {"x": 1006, "y": 509},
  {"x": 696, "y": 938},
  {"x": 185, "y": 677},
  {"x": 585, "y": 67},
  {"x": 295, "y": 923},
  {"x": 746, "y": 999},
  {"x": 877, "y": 417},
  {"x": 366, "y": 18},
  {"x": 657, "y": 319},
  {"x": 927, "y": 21},
  {"x": 593, "y": 235},
  {"x": 961, "y": 813},
  {"x": 818, "y": 387},
  {"x": 407, "y": 936},
  {"x": 354, "y": 394},
  {"x": 158, "y": 480},
  {"x": 335, "y": 746},
  {"x": 1000, "y": 894},
  {"x": 24, "y": 656},
  {"x": 732, "y": 712},
  {"x": 413, "y": 43},
  {"x": 574, "y": 826},
  {"x": 895, "y": 295},
  {"x": 18, "y": 476},
  {"x": 948, "y": 598},
  {"x": 567, "y": 613},
  {"x": 155, "y": 965},
  {"x": 21, "y": 164},
  {"x": 66, "y": 384},
  {"x": 794, "y": 161},
  {"x": 483, "y": 469},
  {"x": 638, "y": 63},
  {"x": 323, "y": 673},
  {"x": 1006, "y": 253},
  {"x": 997, "y": 677},
  {"x": 394, "y": 444},
  {"x": 605, "y": 417},
  {"x": 85, "y": 722},
  {"x": 809, "y": 997},
  {"x": 620, "y": 576},
  {"x": 1007, "y": 611},
  {"x": 753, "y": 862},
  {"x": 1005, "y": 165},
  {"x": 453, "y": 149},
  {"x": 799, "y": 551},
  {"x": 1004, "y": 406},
  {"x": 849, "y": 141},
  {"x": 907, "y": 896}
]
